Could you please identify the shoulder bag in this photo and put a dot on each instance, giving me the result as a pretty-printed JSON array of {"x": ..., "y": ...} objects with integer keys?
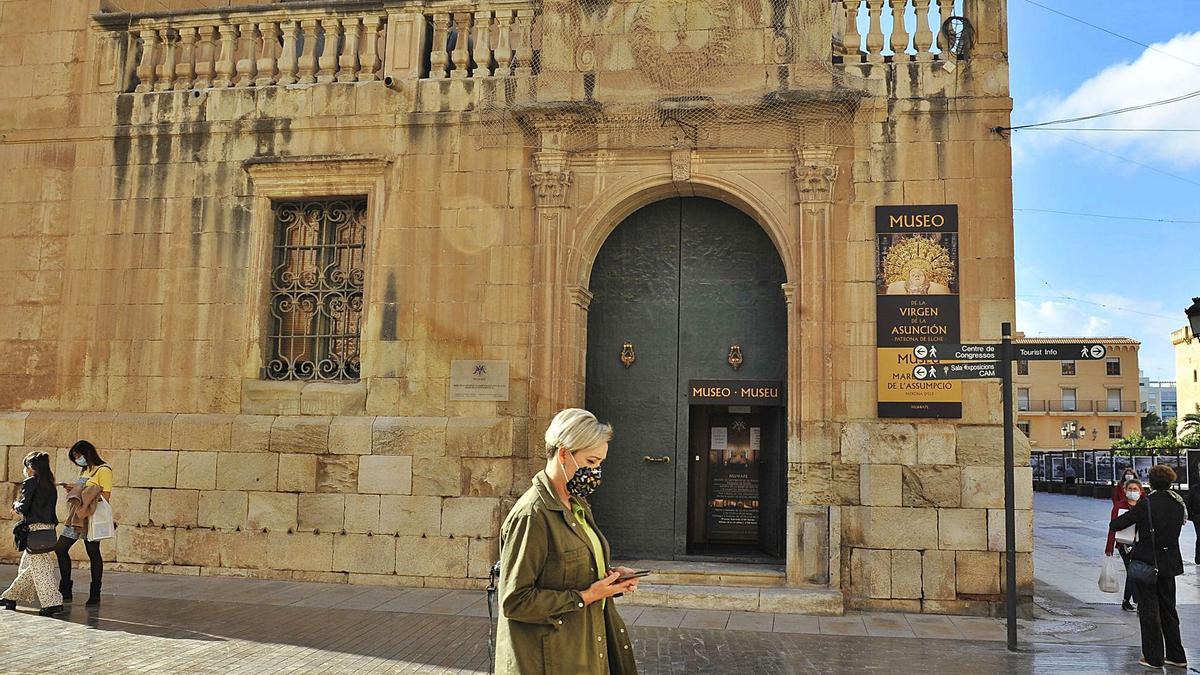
[
  {"x": 1139, "y": 570},
  {"x": 41, "y": 541}
]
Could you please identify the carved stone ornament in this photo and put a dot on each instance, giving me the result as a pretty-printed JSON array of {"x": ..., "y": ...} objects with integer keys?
[
  {"x": 815, "y": 173},
  {"x": 681, "y": 165},
  {"x": 550, "y": 178},
  {"x": 663, "y": 33}
]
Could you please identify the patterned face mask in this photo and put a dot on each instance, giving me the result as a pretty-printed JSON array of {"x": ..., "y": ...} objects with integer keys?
[{"x": 585, "y": 481}]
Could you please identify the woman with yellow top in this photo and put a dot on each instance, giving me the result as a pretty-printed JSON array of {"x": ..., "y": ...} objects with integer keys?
[
  {"x": 555, "y": 577},
  {"x": 92, "y": 471}
]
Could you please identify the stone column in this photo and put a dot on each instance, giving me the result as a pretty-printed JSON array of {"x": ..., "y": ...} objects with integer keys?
[{"x": 551, "y": 181}]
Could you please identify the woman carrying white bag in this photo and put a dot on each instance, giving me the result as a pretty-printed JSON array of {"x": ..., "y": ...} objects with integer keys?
[
  {"x": 1131, "y": 493},
  {"x": 91, "y": 517}
]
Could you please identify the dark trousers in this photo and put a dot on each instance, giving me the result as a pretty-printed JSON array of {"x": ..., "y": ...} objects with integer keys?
[
  {"x": 1160, "y": 621},
  {"x": 64, "y": 558},
  {"x": 1130, "y": 586},
  {"x": 1196, "y": 524}
]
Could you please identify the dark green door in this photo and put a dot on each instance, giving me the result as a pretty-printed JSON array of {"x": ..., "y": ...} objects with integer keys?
[{"x": 682, "y": 280}]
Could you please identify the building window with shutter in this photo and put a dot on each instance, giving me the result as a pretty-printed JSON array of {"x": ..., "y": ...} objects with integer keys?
[
  {"x": 1023, "y": 367},
  {"x": 1113, "y": 366},
  {"x": 1114, "y": 430},
  {"x": 317, "y": 279},
  {"x": 1068, "y": 367}
]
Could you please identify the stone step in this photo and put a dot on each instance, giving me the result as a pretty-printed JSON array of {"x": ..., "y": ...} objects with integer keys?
[
  {"x": 815, "y": 601},
  {"x": 688, "y": 573}
]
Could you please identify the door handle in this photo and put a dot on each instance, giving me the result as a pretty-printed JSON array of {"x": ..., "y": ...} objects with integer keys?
[{"x": 664, "y": 459}]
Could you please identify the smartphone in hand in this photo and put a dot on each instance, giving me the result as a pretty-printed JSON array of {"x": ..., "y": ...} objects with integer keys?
[{"x": 635, "y": 575}]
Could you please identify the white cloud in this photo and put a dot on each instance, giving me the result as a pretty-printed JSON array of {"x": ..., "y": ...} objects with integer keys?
[
  {"x": 1105, "y": 315},
  {"x": 1153, "y": 76}
]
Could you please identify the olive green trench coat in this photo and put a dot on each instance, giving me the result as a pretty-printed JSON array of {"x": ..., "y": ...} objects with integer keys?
[{"x": 544, "y": 626}]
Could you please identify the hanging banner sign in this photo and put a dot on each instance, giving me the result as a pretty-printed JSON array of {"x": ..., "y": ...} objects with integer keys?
[{"x": 916, "y": 306}]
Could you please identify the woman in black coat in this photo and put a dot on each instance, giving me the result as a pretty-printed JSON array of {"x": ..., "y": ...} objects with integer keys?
[{"x": 1158, "y": 546}]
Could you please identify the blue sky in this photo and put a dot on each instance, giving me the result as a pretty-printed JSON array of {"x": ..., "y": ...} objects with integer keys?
[{"x": 1126, "y": 278}]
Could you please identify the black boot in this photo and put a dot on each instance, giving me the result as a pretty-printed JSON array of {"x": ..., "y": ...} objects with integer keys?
[
  {"x": 50, "y": 611},
  {"x": 93, "y": 595},
  {"x": 64, "y": 587},
  {"x": 8, "y": 604}
]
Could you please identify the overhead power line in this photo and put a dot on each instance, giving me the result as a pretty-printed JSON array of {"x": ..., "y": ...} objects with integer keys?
[
  {"x": 1111, "y": 217},
  {"x": 1110, "y": 113},
  {"x": 1115, "y": 308},
  {"x": 1122, "y": 130},
  {"x": 1133, "y": 161},
  {"x": 1113, "y": 33}
]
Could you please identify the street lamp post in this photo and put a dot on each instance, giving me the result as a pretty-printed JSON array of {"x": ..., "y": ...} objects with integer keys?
[
  {"x": 1073, "y": 431},
  {"x": 1193, "y": 315}
]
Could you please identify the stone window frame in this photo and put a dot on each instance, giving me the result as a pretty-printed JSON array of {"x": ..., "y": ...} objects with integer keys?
[{"x": 292, "y": 178}]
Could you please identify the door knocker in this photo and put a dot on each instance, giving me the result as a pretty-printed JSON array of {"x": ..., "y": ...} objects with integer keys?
[
  {"x": 627, "y": 354},
  {"x": 735, "y": 356}
]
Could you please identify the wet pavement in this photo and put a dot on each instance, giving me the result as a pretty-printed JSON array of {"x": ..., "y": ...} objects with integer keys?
[{"x": 172, "y": 624}]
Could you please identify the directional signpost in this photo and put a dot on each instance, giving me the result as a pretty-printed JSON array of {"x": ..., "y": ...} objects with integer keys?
[{"x": 981, "y": 361}]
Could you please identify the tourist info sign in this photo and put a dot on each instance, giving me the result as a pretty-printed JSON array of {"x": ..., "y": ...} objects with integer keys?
[
  {"x": 974, "y": 370},
  {"x": 1059, "y": 352}
]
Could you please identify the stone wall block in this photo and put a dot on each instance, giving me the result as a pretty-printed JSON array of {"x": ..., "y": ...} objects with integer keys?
[
  {"x": 962, "y": 529},
  {"x": 486, "y": 477},
  {"x": 479, "y": 437},
  {"x": 437, "y": 476},
  {"x": 145, "y": 545},
  {"x": 431, "y": 556},
  {"x": 274, "y": 511},
  {"x": 244, "y": 550},
  {"x": 906, "y": 574},
  {"x": 982, "y": 487},
  {"x": 362, "y": 514},
  {"x": 222, "y": 509},
  {"x": 141, "y": 431},
  {"x": 248, "y": 471},
  {"x": 51, "y": 429},
  {"x": 153, "y": 468},
  {"x": 364, "y": 553},
  {"x": 350, "y": 435},
  {"x": 132, "y": 507},
  {"x": 878, "y": 443},
  {"x": 471, "y": 516},
  {"x": 196, "y": 470},
  {"x": 1025, "y": 580},
  {"x": 333, "y": 398},
  {"x": 936, "y": 444},
  {"x": 1024, "y": 530},
  {"x": 337, "y": 473},
  {"x": 421, "y": 436},
  {"x": 177, "y": 508},
  {"x": 202, "y": 432},
  {"x": 382, "y": 474},
  {"x": 96, "y": 427},
  {"x": 410, "y": 514},
  {"x": 936, "y": 486},
  {"x": 871, "y": 572},
  {"x": 300, "y": 435},
  {"x": 880, "y": 485},
  {"x": 300, "y": 551},
  {"x": 324, "y": 512},
  {"x": 297, "y": 473},
  {"x": 197, "y": 547},
  {"x": 937, "y": 575},
  {"x": 12, "y": 428},
  {"x": 980, "y": 446},
  {"x": 251, "y": 433},
  {"x": 977, "y": 572},
  {"x": 886, "y": 527}
]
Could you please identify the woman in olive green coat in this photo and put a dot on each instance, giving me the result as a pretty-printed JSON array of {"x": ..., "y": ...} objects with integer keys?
[{"x": 556, "y": 612}]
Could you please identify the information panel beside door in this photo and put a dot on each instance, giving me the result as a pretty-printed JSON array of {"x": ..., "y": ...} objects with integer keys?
[{"x": 731, "y": 507}]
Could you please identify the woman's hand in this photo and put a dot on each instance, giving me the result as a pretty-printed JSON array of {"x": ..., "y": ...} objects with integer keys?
[
  {"x": 622, "y": 571},
  {"x": 608, "y": 587}
]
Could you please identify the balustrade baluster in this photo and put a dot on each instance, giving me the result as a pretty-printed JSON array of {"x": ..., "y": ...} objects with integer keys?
[
  {"x": 482, "y": 52},
  {"x": 147, "y": 64},
  {"x": 185, "y": 67},
  {"x": 369, "y": 64},
  {"x": 349, "y": 58},
  {"x": 204, "y": 57},
  {"x": 503, "y": 51},
  {"x": 329, "y": 55},
  {"x": 268, "y": 54},
  {"x": 308, "y": 54},
  {"x": 899, "y": 41},
  {"x": 852, "y": 43},
  {"x": 524, "y": 46},
  {"x": 438, "y": 58},
  {"x": 945, "y": 11},
  {"x": 875, "y": 33},
  {"x": 460, "y": 55},
  {"x": 923, "y": 38},
  {"x": 225, "y": 62},
  {"x": 246, "y": 53},
  {"x": 166, "y": 69},
  {"x": 287, "y": 56}
]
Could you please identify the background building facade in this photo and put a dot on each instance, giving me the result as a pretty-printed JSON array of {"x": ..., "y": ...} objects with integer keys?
[
  {"x": 1159, "y": 397},
  {"x": 1187, "y": 371},
  {"x": 250, "y": 250}
]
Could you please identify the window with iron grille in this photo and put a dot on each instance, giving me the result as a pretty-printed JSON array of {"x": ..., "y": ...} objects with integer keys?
[
  {"x": 1114, "y": 430},
  {"x": 1068, "y": 367},
  {"x": 1113, "y": 366},
  {"x": 317, "y": 277},
  {"x": 1022, "y": 367}
]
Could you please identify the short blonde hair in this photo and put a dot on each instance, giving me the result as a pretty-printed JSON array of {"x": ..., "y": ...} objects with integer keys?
[{"x": 575, "y": 429}]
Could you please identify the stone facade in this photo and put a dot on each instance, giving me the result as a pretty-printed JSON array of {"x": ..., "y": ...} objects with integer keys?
[{"x": 139, "y": 165}]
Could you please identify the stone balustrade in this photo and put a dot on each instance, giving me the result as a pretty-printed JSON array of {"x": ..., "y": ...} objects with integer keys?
[
  {"x": 890, "y": 39},
  {"x": 498, "y": 42},
  {"x": 257, "y": 49}
]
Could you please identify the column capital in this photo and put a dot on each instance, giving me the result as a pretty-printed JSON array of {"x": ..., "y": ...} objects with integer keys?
[
  {"x": 815, "y": 173},
  {"x": 550, "y": 178},
  {"x": 580, "y": 296}
]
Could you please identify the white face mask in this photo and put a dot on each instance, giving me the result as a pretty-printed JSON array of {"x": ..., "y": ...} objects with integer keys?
[
  {"x": 1133, "y": 495},
  {"x": 81, "y": 462}
]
